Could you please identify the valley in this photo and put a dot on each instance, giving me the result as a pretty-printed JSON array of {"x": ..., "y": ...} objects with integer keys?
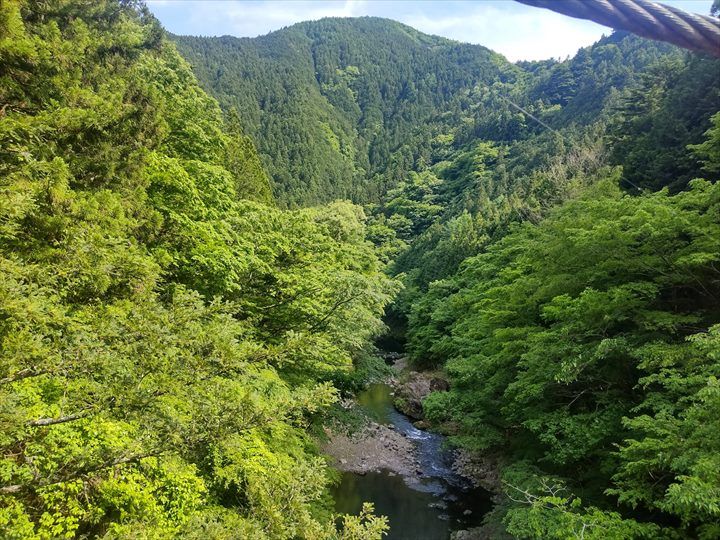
[{"x": 250, "y": 285}]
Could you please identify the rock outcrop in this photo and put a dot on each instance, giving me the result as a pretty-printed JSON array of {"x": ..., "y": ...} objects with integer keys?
[
  {"x": 483, "y": 471},
  {"x": 413, "y": 388}
]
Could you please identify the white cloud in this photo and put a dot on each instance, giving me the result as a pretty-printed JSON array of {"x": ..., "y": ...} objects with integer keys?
[
  {"x": 256, "y": 18},
  {"x": 519, "y": 32},
  {"x": 532, "y": 35}
]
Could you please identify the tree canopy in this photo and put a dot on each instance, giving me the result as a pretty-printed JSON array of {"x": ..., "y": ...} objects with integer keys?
[
  {"x": 165, "y": 331},
  {"x": 174, "y": 319}
]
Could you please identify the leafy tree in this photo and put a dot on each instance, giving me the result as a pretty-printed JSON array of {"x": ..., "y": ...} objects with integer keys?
[
  {"x": 165, "y": 336},
  {"x": 590, "y": 331}
]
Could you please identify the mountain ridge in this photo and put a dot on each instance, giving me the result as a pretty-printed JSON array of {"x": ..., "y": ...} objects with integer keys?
[
  {"x": 368, "y": 80},
  {"x": 366, "y": 18},
  {"x": 347, "y": 107}
]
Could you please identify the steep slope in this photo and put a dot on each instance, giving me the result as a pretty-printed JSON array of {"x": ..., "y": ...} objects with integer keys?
[
  {"x": 329, "y": 102},
  {"x": 348, "y": 107},
  {"x": 493, "y": 165},
  {"x": 574, "y": 308},
  {"x": 165, "y": 337}
]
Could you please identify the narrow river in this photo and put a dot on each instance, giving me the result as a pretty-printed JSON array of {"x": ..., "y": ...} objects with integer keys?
[{"x": 441, "y": 502}]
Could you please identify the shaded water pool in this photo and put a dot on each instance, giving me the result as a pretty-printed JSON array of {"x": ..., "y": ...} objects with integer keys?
[{"x": 431, "y": 509}]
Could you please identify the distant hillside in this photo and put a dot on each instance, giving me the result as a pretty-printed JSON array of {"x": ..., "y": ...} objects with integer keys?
[
  {"x": 328, "y": 102},
  {"x": 346, "y": 107}
]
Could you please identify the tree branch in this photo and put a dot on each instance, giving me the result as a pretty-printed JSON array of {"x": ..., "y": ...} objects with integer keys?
[
  {"x": 16, "y": 488},
  {"x": 22, "y": 374},
  {"x": 333, "y": 310},
  {"x": 40, "y": 422}
]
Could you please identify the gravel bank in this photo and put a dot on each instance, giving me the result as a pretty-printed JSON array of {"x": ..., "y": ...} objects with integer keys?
[{"x": 375, "y": 448}]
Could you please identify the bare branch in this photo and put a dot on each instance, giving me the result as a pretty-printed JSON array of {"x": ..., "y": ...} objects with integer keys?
[
  {"x": 40, "y": 422},
  {"x": 22, "y": 374}
]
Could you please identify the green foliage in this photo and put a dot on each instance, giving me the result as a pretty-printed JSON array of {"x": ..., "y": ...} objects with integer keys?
[
  {"x": 572, "y": 339},
  {"x": 337, "y": 107},
  {"x": 559, "y": 518},
  {"x": 709, "y": 150},
  {"x": 589, "y": 332},
  {"x": 350, "y": 108},
  {"x": 368, "y": 369},
  {"x": 165, "y": 337},
  {"x": 573, "y": 335},
  {"x": 674, "y": 432},
  {"x": 542, "y": 507},
  {"x": 169, "y": 338},
  {"x": 656, "y": 118},
  {"x": 363, "y": 526}
]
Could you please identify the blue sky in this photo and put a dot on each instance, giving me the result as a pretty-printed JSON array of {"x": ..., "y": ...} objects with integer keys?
[{"x": 519, "y": 32}]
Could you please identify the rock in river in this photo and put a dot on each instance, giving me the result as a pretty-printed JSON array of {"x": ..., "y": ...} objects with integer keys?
[{"x": 415, "y": 387}]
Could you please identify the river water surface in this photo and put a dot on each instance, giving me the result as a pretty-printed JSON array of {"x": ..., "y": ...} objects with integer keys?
[{"x": 431, "y": 509}]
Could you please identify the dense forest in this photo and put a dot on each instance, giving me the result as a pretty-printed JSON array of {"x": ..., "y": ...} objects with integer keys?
[
  {"x": 348, "y": 107},
  {"x": 558, "y": 254},
  {"x": 167, "y": 333},
  {"x": 329, "y": 103},
  {"x": 179, "y": 311}
]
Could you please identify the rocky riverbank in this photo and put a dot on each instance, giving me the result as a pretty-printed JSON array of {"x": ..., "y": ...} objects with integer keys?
[
  {"x": 482, "y": 471},
  {"x": 374, "y": 448},
  {"x": 378, "y": 446},
  {"x": 398, "y": 444}
]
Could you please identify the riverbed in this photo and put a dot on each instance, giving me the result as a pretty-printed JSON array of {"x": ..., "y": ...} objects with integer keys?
[{"x": 426, "y": 505}]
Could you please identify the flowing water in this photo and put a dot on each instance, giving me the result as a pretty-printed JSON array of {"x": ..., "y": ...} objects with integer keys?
[{"x": 430, "y": 510}]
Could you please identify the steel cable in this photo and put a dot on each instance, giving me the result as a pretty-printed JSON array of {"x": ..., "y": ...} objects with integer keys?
[{"x": 646, "y": 19}]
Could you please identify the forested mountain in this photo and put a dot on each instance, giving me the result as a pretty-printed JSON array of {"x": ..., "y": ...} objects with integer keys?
[
  {"x": 545, "y": 233},
  {"x": 328, "y": 102},
  {"x": 584, "y": 351},
  {"x": 574, "y": 308},
  {"x": 347, "y": 107},
  {"x": 578, "y": 322}
]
